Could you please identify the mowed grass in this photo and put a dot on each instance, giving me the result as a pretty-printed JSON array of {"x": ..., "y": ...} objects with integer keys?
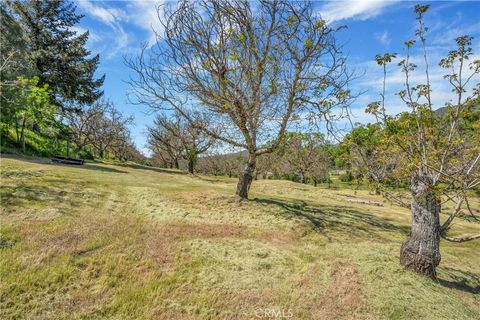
[{"x": 129, "y": 242}]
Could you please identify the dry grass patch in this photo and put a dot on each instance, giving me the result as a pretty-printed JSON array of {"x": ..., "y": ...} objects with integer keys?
[{"x": 342, "y": 299}]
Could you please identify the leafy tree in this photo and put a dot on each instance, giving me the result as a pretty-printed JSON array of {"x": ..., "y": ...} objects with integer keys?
[
  {"x": 372, "y": 158},
  {"x": 32, "y": 104},
  {"x": 439, "y": 152},
  {"x": 58, "y": 55},
  {"x": 305, "y": 156},
  {"x": 13, "y": 63},
  {"x": 251, "y": 68}
]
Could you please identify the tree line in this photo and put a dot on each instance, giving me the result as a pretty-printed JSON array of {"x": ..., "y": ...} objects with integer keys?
[{"x": 48, "y": 86}]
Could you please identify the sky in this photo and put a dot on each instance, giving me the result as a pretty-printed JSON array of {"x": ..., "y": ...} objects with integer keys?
[{"x": 118, "y": 29}]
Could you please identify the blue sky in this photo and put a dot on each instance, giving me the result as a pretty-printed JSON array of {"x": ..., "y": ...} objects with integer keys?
[{"x": 118, "y": 28}]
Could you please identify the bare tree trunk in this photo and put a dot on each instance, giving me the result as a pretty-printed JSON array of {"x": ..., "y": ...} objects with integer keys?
[
  {"x": 191, "y": 165},
  {"x": 302, "y": 177},
  {"x": 16, "y": 129},
  {"x": 176, "y": 164},
  {"x": 23, "y": 135},
  {"x": 246, "y": 177},
  {"x": 421, "y": 251},
  {"x": 23, "y": 141}
]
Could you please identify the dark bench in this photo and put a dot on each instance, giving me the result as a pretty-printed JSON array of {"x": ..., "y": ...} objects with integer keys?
[{"x": 66, "y": 160}]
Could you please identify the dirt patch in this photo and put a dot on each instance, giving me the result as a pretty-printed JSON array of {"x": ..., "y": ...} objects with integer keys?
[
  {"x": 205, "y": 200},
  {"x": 162, "y": 241},
  {"x": 342, "y": 299},
  {"x": 202, "y": 230},
  {"x": 282, "y": 239}
]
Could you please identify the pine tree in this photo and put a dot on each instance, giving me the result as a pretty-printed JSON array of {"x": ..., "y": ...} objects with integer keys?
[{"x": 58, "y": 54}]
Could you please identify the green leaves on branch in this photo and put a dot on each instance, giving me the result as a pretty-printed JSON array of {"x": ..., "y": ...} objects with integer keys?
[
  {"x": 33, "y": 100},
  {"x": 386, "y": 58}
]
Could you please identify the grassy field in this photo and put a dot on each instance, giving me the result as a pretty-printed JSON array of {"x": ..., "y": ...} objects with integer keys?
[{"x": 129, "y": 242}]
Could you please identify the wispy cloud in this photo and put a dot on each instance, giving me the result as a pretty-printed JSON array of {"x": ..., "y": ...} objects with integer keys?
[
  {"x": 104, "y": 14},
  {"x": 144, "y": 14},
  {"x": 442, "y": 91},
  {"x": 333, "y": 11},
  {"x": 450, "y": 33},
  {"x": 383, "y": 38},
  {"x": 113, "y": 18}
]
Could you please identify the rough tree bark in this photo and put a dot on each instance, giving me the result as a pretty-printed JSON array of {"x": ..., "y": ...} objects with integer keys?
[
  {"x": 246, "y": 177},
  {"x": 191, "y": 165},
  {"x": 421, "y": 251}
]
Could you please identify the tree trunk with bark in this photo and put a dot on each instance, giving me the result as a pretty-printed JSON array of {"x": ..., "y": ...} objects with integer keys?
[
  {"x": 421, "y": 251},
  {"x": 191, "y": 165},
  {"x": 302, "y": 177},
  {"x": 177, "y": 166},
  {"x": 23, "y": 135},
  {"x": 246, "y": 177},
  {"x": 23, "y": 141}
]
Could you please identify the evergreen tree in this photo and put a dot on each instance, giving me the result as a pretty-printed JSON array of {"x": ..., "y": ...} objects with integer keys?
[{"x": 57, "y": 52}]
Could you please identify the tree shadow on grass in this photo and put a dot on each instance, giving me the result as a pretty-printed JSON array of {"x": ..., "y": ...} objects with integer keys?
[
  {"x": 47, "y": 161},
  {"x": 459, "y": 280},
  {"x": 339, "y": 218},
  {"x": 155, "y": 169},
  {"x": 38, "y": 196}
]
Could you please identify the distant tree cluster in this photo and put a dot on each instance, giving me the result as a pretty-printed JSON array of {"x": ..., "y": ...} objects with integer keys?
[
  {"x": 172, "y": 138},
  {"x": 300, "y": 157}
]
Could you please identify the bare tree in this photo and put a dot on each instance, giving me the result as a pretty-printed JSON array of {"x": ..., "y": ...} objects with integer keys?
[
  {"x": 304, "y": 155},
  {"x": 109, "y": 128},
  {"x": 82, "y": 121},
  {"x": 179, "y": 138},
  {"x": 251, "y": 68}
]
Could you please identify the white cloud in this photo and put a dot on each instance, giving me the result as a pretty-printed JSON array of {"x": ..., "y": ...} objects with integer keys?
[
  {"x": 383, "y": 37},
  {"x": 113, "y": 18},
  {"x": 144, "y": 14},
  {"x": 395, "y": 81},
  {"x": 333, "y": 11},
  {"x": 106, "y": 15},
  {"x": 448, "y": 34}
]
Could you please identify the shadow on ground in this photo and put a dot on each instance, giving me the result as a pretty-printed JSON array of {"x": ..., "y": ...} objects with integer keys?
[
  {"x": 47, "y": 161},
  {"x": 340, "y": 218},
  {"x": 37, "y": 196},
  {"x": 459, "y": 280},
  {"x": 155, "y": 169}
]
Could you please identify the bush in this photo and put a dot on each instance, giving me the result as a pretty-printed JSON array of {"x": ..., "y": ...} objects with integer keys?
[
  {"x": 84, "y": 154},
  {"x": 346, "y": 177}
]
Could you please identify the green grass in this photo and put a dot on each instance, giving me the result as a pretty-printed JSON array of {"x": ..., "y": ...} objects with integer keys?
[
  {"x": 123, "y": 241},
  {"x": 37, "y": 144}
]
